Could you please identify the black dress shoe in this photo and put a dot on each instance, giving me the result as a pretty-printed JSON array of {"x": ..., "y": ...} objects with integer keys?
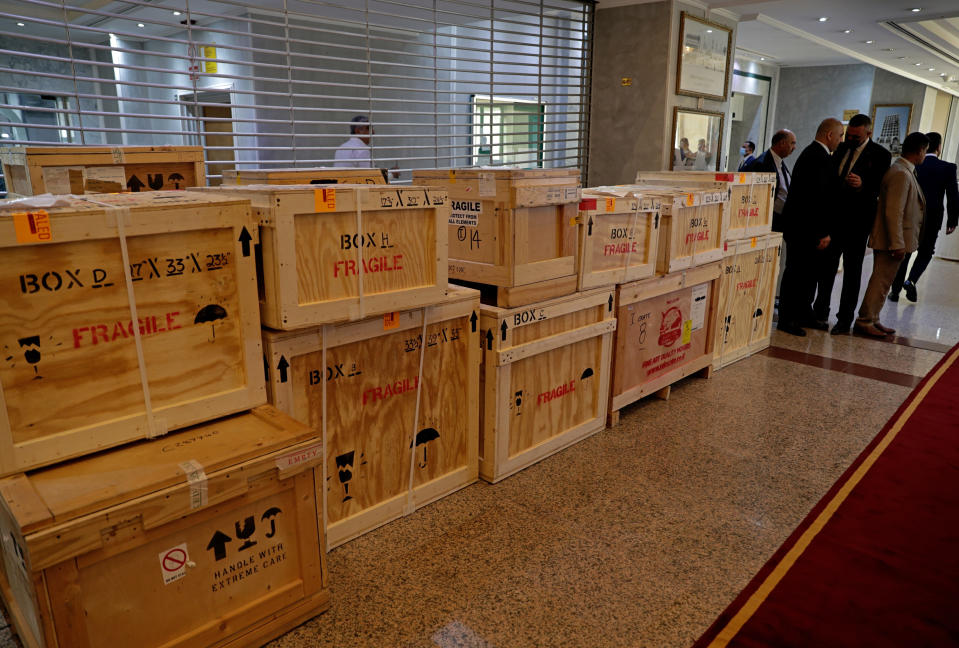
[
  {"x": 893, "y": 296},
  {"x": 841, "y": 328},
  {"x": 792, "y": 329},
  {"x": 819, "y": 325},
  {"x": 911, "y": 293}
]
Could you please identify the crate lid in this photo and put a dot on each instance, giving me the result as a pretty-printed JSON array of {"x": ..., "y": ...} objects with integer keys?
[
  {"x": 727, "y": 178},
  {"x": 232, "y": 173},
  {"x": 502, "y": 173},
  {"x": 76, "y": 488},
  {"x": 686, "y": 196},
  {"x": 67, "y": 204},
  {"x": 82, "y": 150},
  {"x": 761, "y": 242}
]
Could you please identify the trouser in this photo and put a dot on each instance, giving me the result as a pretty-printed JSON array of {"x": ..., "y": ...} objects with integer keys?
[
  {"x": 799, "y": 282},
  {"x": 851, "y": 246},
  {"x": 927, "y": 247},
  {"x": 884, "y": 268}
]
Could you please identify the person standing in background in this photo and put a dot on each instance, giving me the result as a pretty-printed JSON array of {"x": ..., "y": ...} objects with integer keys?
[
  {"x": 896, "y": 231},
  {"x": 937, "y": 179},
  {"x": 747, "y": 150},
  {"x": 806, "y": 227},
  {"x": 859, "y": 167},
  {"x": 355, "y": 152},
  {"x": 773, "y": 160}
]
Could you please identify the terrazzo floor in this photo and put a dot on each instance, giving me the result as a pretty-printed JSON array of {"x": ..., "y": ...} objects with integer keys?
[{"x": 642, "y": 534}]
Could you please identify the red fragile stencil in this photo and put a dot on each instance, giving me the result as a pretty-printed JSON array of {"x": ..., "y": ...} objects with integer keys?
[{"x": 587, "y": 203}]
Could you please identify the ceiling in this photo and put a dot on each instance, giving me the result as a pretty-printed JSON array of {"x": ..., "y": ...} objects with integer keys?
[{"x": 883, "y": 33}]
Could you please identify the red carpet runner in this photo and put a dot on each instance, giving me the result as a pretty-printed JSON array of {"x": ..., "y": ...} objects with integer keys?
[{"x": 876, "y": 562}]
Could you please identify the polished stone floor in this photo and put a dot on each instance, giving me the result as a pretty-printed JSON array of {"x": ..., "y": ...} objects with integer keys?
[{"x": 642, "y": 534}]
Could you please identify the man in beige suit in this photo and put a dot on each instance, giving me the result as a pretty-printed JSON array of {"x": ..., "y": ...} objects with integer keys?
[{"x": 895, "y": 232}]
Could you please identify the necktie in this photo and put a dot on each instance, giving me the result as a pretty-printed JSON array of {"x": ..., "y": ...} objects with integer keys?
[
  {"x": 845, "y": 167},
  {"x": 785, "y": 174}
]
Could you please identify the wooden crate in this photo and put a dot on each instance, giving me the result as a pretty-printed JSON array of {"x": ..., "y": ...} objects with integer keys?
[
  {"x": 33, "y": 170},
  {"x": 749, "y": 211},
  {"x": 747, "y": 297},
  {"x": 691, "y": 225},
  {"x": 511, "y": 229},
  {"x": 544, "y": 383},
  {"x": 618, "y": 237},
  {"x": 319, "y": 175},
  {"x": 204, "y": 538},
  {"x": 312, "y": 241},
  {"x": 72, "y": 376},
  {"x": 376, "y": 398},
  {"x": 665, "y": 333}
]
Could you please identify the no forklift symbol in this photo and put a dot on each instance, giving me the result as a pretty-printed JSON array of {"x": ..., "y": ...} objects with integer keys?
[{"x": 173, "y": 563}]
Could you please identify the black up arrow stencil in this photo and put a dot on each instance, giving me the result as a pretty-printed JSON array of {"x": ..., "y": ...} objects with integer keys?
[
  {"x": 610, "y": 303},
  {"x": 473, "y": 319},
  {"x": 503, "y": 328},
  {"x": 282, "y": 367},
  {"x": 589, "y": 228},
  {"x": 489, "y": 339},
  {"x": 245, "y": 239}
]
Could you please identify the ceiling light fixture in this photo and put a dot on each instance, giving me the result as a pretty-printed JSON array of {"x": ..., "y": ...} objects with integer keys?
[
  {"x": 916, "y": 9},
  {"x": 932, "y": 69},
  {"x": 709, "y": 31},
  {"x": 918, "y": 64},
  {"x": 824, "y": 19},
  {"x": 869, "y": 42},
  {"x": 19, "y": 24},
  {"x": 901, "y": 58},
  {"x": 762, "y": 58},
  {"x": 140, "y": 25},
  {"x": 176, "y": 13},
  {"x": 847, "y": 31},
  {"x": 889, "y": 49}
]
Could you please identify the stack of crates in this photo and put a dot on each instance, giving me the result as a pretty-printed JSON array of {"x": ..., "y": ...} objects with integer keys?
[{"x": 135, "y": 445}]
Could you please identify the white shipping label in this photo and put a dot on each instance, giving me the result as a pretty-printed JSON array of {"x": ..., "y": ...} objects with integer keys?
[
  {"x": 465, "y": 212},
  {"x": 107, "y": 174},
  {"x": 697, "y": 311},
  {"x": 173, "y": 563},
  {"x": 56, "y": 180},
  {"x": 487, "y": 185}
]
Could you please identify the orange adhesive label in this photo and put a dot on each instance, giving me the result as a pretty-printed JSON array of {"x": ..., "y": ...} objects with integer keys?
[
  {"x": 610, "y": 204},
  {"x": 391, "y": 321},
  {"x": 752, "y": 242},
  {"x": 742, "y": 178},
  {"x": 32, "y": 227},
  {"x": 690, "y": 199},
  {"x": 324, "y": 200}
]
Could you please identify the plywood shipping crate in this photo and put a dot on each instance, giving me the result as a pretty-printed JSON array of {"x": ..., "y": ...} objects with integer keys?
[
  {"x": 749, "y": 211},
  {"x": 545, "y": 378},
  {"x": 333, "y": 254},
  {"x": 665, "y": 333},
  {"x": 33, "y": 170},
  {"x": 76, "y": 374},
  {"x": 691, "y": 225},
  {"x": 205, "y": 538},
  {"x": 618, "y": 237},
  {"x": 319, "y": 175},
  {"x": 747, "y": 297},
  {"x": 401, "y": 404},
  {"x": 512, "y": 229}
]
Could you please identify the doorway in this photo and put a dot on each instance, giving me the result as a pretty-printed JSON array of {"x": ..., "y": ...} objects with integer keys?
[
  {"x": 749, "y": 114},
  {"x": 210, "y": 115}
]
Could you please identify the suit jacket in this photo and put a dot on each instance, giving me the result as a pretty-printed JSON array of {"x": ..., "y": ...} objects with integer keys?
[
  {"x": 765, "y": 163},
  {"x": 856, "y": 208},
  {"x": 938, "y": 180},
  {"x": 745, "y": 163},
  {"x": 806, "y": 216},
  {"x": 900, "y": 212}
]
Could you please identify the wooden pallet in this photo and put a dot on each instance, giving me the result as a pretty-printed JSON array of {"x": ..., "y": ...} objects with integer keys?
[
  {"x": 318, "y": 175},
  {"x": 508, "y": 227},
  {"x": 346, "y": 253},
  {"x": 618, "y": 237},
  {"x": 207, "y": 537},
  {"x": 74, "y": 377},
  {"x": 665, "y": 333},
  {"x": 33, "y": 170},
  {"x": 749, "y": 211},
  {"x": 746, "y": 298},
  {"x": 373, "y": 390},
  {"x": 545, "y": 378}
]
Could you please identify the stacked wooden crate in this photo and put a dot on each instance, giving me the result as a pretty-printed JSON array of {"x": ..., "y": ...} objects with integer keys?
[
  {"x": 130, "y": 316},
  {"x": 546, "y": 347},
  {"x": 34, "y": 170},
  {"x": 317, "y": 175},
  {"x": 366, "y": 344},
  {"x": 750, "y": 258},
  {"x": 665, "y": 323}
]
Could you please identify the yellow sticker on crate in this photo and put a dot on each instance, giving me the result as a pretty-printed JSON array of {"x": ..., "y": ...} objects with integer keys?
[
  {"x": 391, "y": 321},
  {"x": 610, "y": 205},
  {"x": 752, "y": 242},
  {"x": 32, "y": 227},
  {"x": 325, "y": 200},
  {"x": 690, "y": 199},
  {"x": 742, "y": 178},
  {"x": 687, "y": 331}
]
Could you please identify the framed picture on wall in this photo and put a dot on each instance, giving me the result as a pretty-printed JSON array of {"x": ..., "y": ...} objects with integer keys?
[
  {"x": 703, "y": 66},
  {"x": 890, "y": 125},
  {"x": 697, "y": 140}
]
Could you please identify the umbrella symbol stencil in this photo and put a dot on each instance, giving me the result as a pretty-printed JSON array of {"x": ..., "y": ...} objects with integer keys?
[
  {"x": 423, "y": 437},
  {"x": 210, "y": 314}
]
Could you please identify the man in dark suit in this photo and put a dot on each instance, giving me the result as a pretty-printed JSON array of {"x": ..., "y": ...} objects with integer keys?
[
  {"x": 859, "y": 165},
  {"x": 773, "y": 160},
  {"x": 806, "y": 227},
  {"x": 748, "y": 152},
  {"x": 937, "y": 180}
]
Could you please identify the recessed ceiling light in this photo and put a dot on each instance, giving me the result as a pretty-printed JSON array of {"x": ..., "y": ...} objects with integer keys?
[
  {"x": 762, "y": 58},
  {"x": 932, "y": 69},
  {"x": 916, "y": 9},
  {"x": 889, "y": 49},
  {"x": 19, "y": 24},
  {"x": 176, "y": 13},
  {"x": 869, "y": 42},
  {"x": 4, "y": 135},
  {"x": 824, "y": 19},
  {"x": 918, "y": 64},
  {"x": 139, "y": 24},
  {"x": 847, "y": 31}
]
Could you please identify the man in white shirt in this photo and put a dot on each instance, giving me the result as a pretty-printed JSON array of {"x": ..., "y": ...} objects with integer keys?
[
  {"x": 773, "y": 161},
  {"x": 355, "y": 152}
]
